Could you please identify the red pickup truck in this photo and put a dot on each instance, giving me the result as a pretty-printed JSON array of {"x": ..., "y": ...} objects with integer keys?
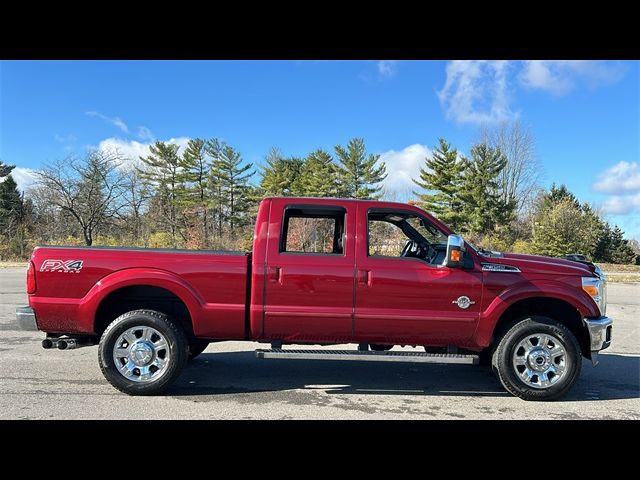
[{"x": 325, "y": 271}]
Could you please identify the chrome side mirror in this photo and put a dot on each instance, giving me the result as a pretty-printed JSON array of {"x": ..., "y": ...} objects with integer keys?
[{"x": 455, "y": 252}]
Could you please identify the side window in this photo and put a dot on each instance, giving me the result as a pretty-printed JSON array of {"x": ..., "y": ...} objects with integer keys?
[
  {"x": 316, "y": 230},
  {"x": 385, "y": 238}
]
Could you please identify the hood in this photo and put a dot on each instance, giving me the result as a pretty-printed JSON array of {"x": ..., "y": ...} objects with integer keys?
[{"x": 540, "y": 264}]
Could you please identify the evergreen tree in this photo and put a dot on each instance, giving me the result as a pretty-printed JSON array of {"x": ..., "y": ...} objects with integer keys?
[
  {"x": 194, "y": 178},
  {"x": 231, "y": 180},
  {"x": 556, "y": 194},
  {"x": 162, "y": 171},
  {"x": 555, "y": 232},
  {"x": 442, "y": 175},
  {"x": 11, "y": 207},
  {"x": 281, "y": 176},
  {"x": 483, "y": 206},
  {"x": 5, "y": 169},
  {"x": 621, "y": 251},
  {"x": 319, "y": 175},
  {"x": 358, "y": 174}
]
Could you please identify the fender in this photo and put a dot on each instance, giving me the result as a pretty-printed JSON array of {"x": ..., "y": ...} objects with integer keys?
[
  {"x": 129, "y": 277},
  {"x": 578, "y": 298}
]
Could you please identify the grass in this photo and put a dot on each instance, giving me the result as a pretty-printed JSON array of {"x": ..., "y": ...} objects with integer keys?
[
  {"x": 13, "y": 264},
  {"x": 613, "y": 267}
]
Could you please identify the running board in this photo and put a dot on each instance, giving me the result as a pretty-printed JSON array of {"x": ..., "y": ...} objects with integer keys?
[{"x": 368, "y": 356}]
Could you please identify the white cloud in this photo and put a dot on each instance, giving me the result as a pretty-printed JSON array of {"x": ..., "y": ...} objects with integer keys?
[
  {"x": 144, "y": 133},
  {"x": 559, "y": 77},
  {"x": 623, "y": 177},
  {"x": 622, "y": 183},
  {"x": 622, "y": 204},
  {"x": 131, "y": 150},
  {"x": 24, "y": 177},
  {"x": 116, "y": 121},
  {"x": 387, "y": 68},
  {"x": 475, "y": 91},
  {"x": 402, "y": 166}
]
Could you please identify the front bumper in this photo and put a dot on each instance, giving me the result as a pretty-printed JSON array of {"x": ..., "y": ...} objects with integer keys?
[
  {"x": 26, "y": 318},
  {"x": 599, "y": 335}
]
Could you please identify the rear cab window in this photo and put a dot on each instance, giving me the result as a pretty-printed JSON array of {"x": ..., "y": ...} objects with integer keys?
[{"x": 311, "y": 229}]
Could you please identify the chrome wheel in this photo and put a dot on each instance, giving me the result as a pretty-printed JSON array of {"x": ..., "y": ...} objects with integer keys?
[
  {"x": 540, "y": 360},
  {"x": 141, "y": 354}
]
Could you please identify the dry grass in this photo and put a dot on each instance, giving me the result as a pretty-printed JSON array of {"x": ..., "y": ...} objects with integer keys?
[
  {"x": 613, "y": 267},
  {"x": 13, "y": 264}
]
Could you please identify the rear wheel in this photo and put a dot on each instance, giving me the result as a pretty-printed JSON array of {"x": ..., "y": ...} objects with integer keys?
[
  {"x": 537, "y": 359},
  {"x": 142, "y": 352}
]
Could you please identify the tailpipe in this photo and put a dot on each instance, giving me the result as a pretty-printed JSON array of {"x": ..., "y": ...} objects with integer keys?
[
  {"x": 48, "y": 343},
  {"x": 72, "y": 343}
]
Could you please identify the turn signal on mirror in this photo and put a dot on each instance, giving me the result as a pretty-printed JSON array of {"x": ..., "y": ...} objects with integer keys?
[{"x": 455, "y": 255}]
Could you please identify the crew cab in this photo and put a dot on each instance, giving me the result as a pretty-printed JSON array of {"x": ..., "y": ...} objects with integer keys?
[{"x": 323, "y": 272}]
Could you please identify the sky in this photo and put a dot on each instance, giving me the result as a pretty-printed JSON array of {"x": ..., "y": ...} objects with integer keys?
[{"x": 584, "y": 115}]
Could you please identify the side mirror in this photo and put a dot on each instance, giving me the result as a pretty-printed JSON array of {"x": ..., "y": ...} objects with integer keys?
[{"x": 455, "y": 252}]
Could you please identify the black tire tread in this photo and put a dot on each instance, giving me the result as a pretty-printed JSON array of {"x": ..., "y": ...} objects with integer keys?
[
  {"x": 181, "y": 353},
  {"x": 503, "y": 347}
]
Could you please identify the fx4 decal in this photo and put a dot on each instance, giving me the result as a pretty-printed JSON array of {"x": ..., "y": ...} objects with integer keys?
[{"x": 68, "y": 266}]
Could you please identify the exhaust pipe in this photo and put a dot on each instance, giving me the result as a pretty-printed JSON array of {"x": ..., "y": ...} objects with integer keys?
[
  {"x": 67, "y": 344},
  {"x": 48, "y": 343},
  {"x": 71, "y": 343}
]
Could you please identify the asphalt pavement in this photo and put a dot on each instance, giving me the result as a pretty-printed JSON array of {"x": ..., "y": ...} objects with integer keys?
[{"x": 228, "y": 382}]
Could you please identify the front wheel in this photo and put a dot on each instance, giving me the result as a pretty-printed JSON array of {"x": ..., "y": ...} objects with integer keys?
[
  {"x": 537, "y": 359},
  {"x": 142, "y": 352}
]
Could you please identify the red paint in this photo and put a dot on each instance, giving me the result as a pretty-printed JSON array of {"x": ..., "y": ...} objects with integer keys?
[{"x": 307, "y": 298}]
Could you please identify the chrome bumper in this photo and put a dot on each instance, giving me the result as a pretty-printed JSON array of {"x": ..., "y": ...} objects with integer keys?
[
  {"x": 26, "y": 318},
  {"x": 599, "y": 335}
]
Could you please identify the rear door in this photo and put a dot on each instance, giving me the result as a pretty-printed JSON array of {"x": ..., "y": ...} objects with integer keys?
[{"x": 310, "y": 272}]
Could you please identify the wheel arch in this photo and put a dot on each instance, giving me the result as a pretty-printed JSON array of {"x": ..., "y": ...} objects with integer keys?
[
  {"x": 555, "y": 308},
  {"x": 133, "y": 289}
]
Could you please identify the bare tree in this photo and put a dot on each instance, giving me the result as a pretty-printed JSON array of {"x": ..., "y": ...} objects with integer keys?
[
  {"x": 520, "y": 180},
  {"x": 89, "y": 190}
]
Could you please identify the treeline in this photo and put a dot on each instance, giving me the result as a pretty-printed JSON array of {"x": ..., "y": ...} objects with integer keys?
[{"x": 206, "y": 196}]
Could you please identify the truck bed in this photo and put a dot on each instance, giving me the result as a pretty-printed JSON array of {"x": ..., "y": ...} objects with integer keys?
[{"x": 212, "y": 285}]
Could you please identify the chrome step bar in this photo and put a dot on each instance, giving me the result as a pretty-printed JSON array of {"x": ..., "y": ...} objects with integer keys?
[{"x": 368, "y": 356}]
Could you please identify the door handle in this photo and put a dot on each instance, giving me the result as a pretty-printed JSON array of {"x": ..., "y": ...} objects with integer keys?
[
  {"x": 275, "y": 274},
  {"x": 364, "y": 277}
]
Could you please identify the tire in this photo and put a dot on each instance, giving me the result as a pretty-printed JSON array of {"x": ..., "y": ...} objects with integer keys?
[
  {"x": 196, "y": 347},
  {"x": 538, "y": 358},
  {"x": 148, "y": 347},
  {"x": 380, "y": 348}
]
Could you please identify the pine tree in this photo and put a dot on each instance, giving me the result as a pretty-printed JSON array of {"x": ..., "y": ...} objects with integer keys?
[
  {"x": 11, "y": 207},
  {"x": 281, "y": 176},
  {"x": 162, "y": 171},
  {"x": 231, "y": 180},
  {"x": 358, "y": 174},
  {"x": 483, "y": 207},
  {"x": 319, "y": 175},
  {"x": 442, "y": 175},
  {"x": 193, "y": 176},
  {"x": 621, "y": 251},
  {"x": 5, "y": 169}
]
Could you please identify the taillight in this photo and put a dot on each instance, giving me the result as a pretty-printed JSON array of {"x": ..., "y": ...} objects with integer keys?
[{"x": 31, "y": 278}]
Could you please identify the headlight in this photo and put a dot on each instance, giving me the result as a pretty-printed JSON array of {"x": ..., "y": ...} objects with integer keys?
[{"x": 597, "y": 289}]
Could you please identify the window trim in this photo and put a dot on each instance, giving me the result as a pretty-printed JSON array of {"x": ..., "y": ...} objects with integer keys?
[{"x": 323, "y": 211}]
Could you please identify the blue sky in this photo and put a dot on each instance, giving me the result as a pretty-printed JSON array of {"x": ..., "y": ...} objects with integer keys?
[{"x": 584, "y": 115}]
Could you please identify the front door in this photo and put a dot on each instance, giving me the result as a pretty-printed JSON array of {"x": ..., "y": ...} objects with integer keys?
[
  {"x": 403, "y": 293},
  {"x": 310, "y": 273}
]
